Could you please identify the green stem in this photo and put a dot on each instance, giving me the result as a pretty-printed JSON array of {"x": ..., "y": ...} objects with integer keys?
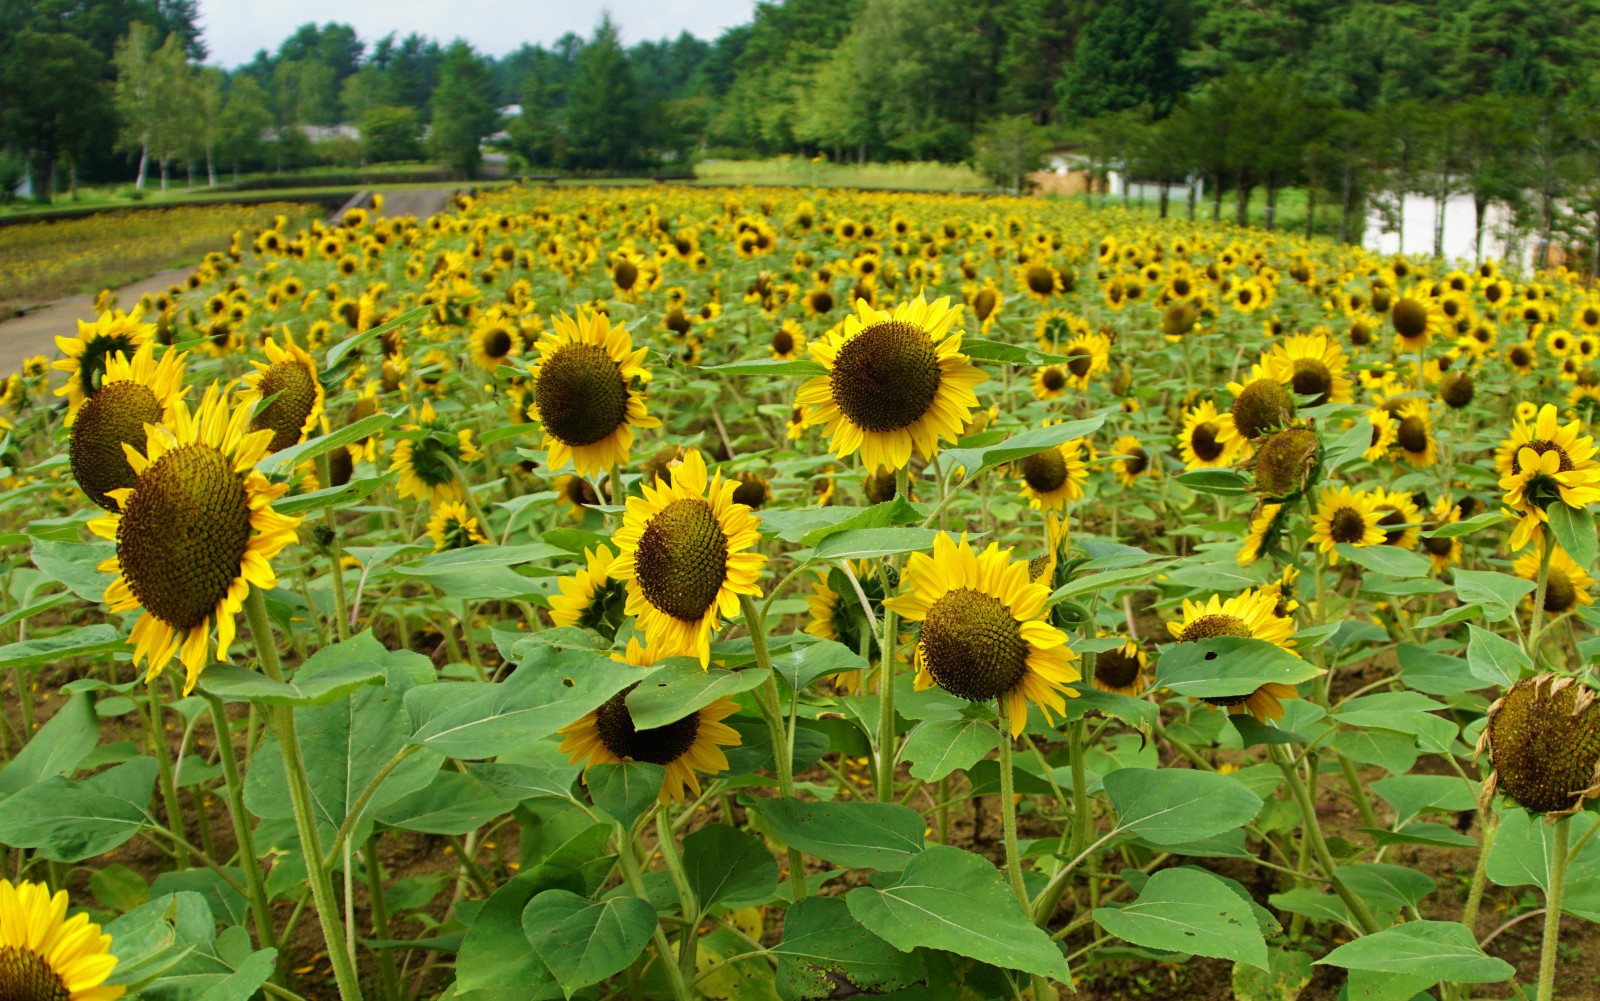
[
  {"x": 169, "y": 789},
  {"x": 888, "y": 745},
  {"x": 1358, "y": 792},
  {"x": 1008, "y": 805},
  {"x": 1312, "y": 831},
  {"x": 260, "y": 909},
  {"x": 344, "y": 969},
  {"x": 1536, "y": 621},
  {"x": 630, "y": 873},
  {"x": 341, "y": 603},
  {"x": 772, "y": 710},
  {"x": 1080, "y": 787},
  {"x": 1552, "y": 904},
  {"x": 689, "y": 938},
  {"x": 380, "y": 920},
  {"x": 1469, "y": 913}
]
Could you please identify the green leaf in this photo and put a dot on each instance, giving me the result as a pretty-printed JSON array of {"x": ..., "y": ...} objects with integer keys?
[
  {"x": 1226, "y": 666},
  {"x": 956, "y": 901},
  {"x": 1096, "y": 582},
  {"x": 338, "y": 351},
  {"x": 859, "y": 835},
  {"x": 1405, "y": 712},
  {"x": 584, "y": 943},
  {"x": 1224, "y": 482},
  {"x": 346, "y": 493},
  {"x": 452, "y": 803},
  {"x": 982, "y": 349},
  {"x": 73, "y": 564},
  {"x": 1574, "y": 531},
  {"x": 57, "y": 747},
  {"x": 806, "y": 662},
  {"x": 870, "y": 543},
  {"x": 1413, "y": 795},
  {"x": 1435, "y": 673},
  {"x": 1289, "y": 970},
  {"x": 822, "y": 944},
  {"x": 1391, "y": 560},
  {"x": 233, "y": 683},
  {"x": 681, "y": 687},
  {"x": 728, "y": 868},
  {"x": 1466, "y": 526},
  {"x": 937, "y": 747},
  {"x": 889, "y": 514},
  {"x": 282, "y": 461},
  {"x": 1189, "y": 911},
  {"x": 1495, "y": 659},
  {"x": 1178, "y": 805},
  {"x": 119, "y": 887},
  {"x": 1498, "y": 593},
  {"x": 768, "y": 366},
  {"x": 69, "y": 822},
  {"x": 1524, "y": 845},
  {"x": 1386, "y": 887},
  {"x": 83, "y": 641},
  {"x": 1019, "y": 446},
  {"x": 1431, "y": 950},
  {"x": 625, "y": 790},
  {"x": 495, "y": 951}
]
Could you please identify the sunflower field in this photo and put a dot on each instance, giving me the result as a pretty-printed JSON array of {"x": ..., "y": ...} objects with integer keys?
[{"x": 755, "y": 594}]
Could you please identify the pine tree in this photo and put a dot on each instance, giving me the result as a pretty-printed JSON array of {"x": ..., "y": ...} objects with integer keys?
[
  {"x": 603, "y": 119},
  {"x": 1128, "y": 56},
  {"x": 463, "y": 112}
]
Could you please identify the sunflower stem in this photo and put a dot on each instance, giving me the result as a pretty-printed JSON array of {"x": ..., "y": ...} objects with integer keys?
[
  {"x": 630, "y": 873},
  {"x": 1008, "y": 803},
  {"x": 887, "y": 745},
  {"x": 1480, "y": 873},
  {"x": 341, "y": 603},
  {"x": 344, "y": 968},
  {"x": 373, "y": 871},
  {"x": 169, "y": 788},
  {"x": 1552, "y": 906},
  {"x": 1312, "y": 832},
  {"x": 772, "y": 709},
  {"x": 260, "y": 908},
  {"x": 467, "y": 495},
  {"x": 688, "y": 938},
  {"x": 1541, "y": 589}
]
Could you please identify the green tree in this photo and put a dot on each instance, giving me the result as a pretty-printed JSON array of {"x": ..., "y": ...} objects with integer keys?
[
  {"x": 1127, "y": 57},
  {"x": 1008, "y": 149},
  {"x": 1041, "y": 40},
  {"x": 390, "y": 133},
  {"x": 52, "y": 101},
  {"x": 136, "y": 94},
  {"x": 603, "y": 108},
  {"x": 463, "y": 110},
  {"x": 245, "y": 121}
]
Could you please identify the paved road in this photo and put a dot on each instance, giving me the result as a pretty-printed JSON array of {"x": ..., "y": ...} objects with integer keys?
[{"x": 35, "y": 333}]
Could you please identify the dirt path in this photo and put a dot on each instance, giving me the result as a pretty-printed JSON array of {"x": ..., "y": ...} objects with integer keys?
[{"x": 35, "y": 332}]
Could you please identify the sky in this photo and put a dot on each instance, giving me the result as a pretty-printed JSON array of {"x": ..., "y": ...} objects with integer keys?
[{"x": 235, "y": 29}]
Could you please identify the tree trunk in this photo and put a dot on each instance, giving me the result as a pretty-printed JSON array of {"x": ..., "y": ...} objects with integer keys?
[
  {"x": 144, "y": 167},
  {"x": 1441, "y": 197},
  {"x": 1311, "y": 210},
  {"x": 211, "y": 169},
  {"x": 1166, "y": 186},
  {"x": 1194, "y": 195},
  {"x": 1594, "y": 249},
  {"x": 1347, "y": 193},
  {"x": 1216, "y": 198},
  {"x": 164, "y": 165},
  {"x": 1241, "y": 201},
  {"x": 1546, "y": 226},
  {"x": 1272, "y": 204}
]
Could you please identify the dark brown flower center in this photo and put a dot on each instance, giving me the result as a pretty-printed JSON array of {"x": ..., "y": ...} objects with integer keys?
[
  {"x": 1053, "y": 379},
  {"x": 625, "y": 273},
  {"x": 1559, "y": 592},
  {"x": 886, "y": 377},
  {"x": 1410, "y": 318},
  {"x": 1312, "y": 378},
  {"x": 1044, "y": 471},
  {"x": 822, "y": 300},
  {"x": 1413, "y": 434},
  {"x": 1080, "y": 360},
  {"x": 984, "y": 303},
  {"x": 1116, "y": 669},
  {"x": 660, "y": 745},
  {"x": 497, "y": 343},
  {"x": 115, "y": 415},
  {"x": 27, "y": 976},
  {"x": 292, "y": 390},
  {"x": 972, "y": 645},
  {"x": 1203, "y": 440},
  {"x": 682, "y": 559},
  {"x": 782, "y": 341},
  {"x": 1041, "y": 279},
  {"x": 1347, "y": 525},
  {"x": 580, "y": 394}
]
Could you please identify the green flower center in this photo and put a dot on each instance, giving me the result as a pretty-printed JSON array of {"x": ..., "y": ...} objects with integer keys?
[
  {"x": 973, "y": 646},
  {"x": 682, "y": 559},
  {"x": 113, "y": 416},
  {"x": 581, "y": 394}
]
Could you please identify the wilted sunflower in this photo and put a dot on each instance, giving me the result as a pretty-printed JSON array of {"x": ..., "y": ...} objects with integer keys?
[
  {"x": 1543, "y": 462},
  {"x": 424, "y": 463},
  {"x": 788, "y": 341},
  {"x": 288, "y": 380},
  {"x": 453, "y": 527},
  {"x": 1310, "y": 365},
  {"x": 1266, "y": 525},
  {"x": 588, "y": 392},
  {"x": 1121, "y": 671},
  {"x": 1054, "y": 477},
  {"x": 1417, "y": 319},
  {"x": 1345, "y": 516},
  {"x": 1209, "y": 440},
  {"x": 1566, "y": 585},
  {"x": 46, "y": 956},
  {"x": 87, "y": 355},
  {"x": 589, "y": 598},
  {"x": 1250, "y": 614},
  {"x": 1132, "y": 462},
  {"x": 1286, "y": 462},
  {"x": 131, "y": 394},
  {"x": 195, "y": 533},
  {"x": 896, "y": 381},
  {"x": 985, "y": 630},
  {"x": 684, "y": 551},
  {"x": 687, "y": 748},
  {"x": 496, "y": 339},
  {"x": 1543, "y": 739}
]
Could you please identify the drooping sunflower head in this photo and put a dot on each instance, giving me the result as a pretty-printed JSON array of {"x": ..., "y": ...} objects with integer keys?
[
  {"x": 575, "y": 493},
  {"x": 132, "y": 393},
  {"x": 46, "y": 956},
  {"x": 985, "y": 632},
  {"x": 1251, "y": 614},
  {"x": 1266, "y": 527},
  {"x": 1345, "y": 517},
  {"x": 1122, "y": 670},
  {"x": 86, "y": 356},
  {"x": 453, "y": 527},
  {"x": 685, "y": 551},
  {"x": 284, "y": 393},
  {"x": 428, "y": 456},
  {"x": 1286, "y": 462},
  {"x": 590, "y": 598},
  {"x": 588, "y": 392},
  {"x": 1261, "y": 405},
  {"x": 1543, "y": 739},
  {"x": 1054, "y": 477},
  {"x": 687, "y": 748},
  {"x": 194, "y": 533},
  {"x": 1455, "y": 389},
  {"x": 896, "y": 381}
]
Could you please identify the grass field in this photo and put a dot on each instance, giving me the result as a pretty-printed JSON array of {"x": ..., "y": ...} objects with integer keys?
[{"x": 787, "y": 170}]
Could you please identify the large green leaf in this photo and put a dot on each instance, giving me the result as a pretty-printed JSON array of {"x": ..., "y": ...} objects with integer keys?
[
  {"x": 806, "y": 662},
  {"x": 74, "y": 564},
  {"x": 583, "y": 943},
  {"x": 495, "y": 951},
  {"x": 1189, "y": 911},
  {"x": 729, "y": 868},
  {"x": 1498, "y": 593},
  {"x": 286, "y": 459},
  {"x": 84, "y": 641},
  {"x": 1227, "y": 666},
  {"x": 859, "y": 835},
  {"x": 888, "y": 514},
  {"x": 768, "y": 366},
  {"x": 626, "y": 789},
  {"x": 57, "y": 748},
  {"x": 233, "y": 683},
  {"x": 1175, "y": 805},
  {"x": 681, "y": 687},
  {"x": 956, "y": 901},
  {"x": 1391, "y": 560},
  {"x": 1524, "y": 845},
  {"x": 1019, "y": 446},
  {"x": 1431, "y": 950},
  {"x": 453, "y": 803},
  {"x": 1574, "y": 531},
  {"x": 1495, "y": 659},
  {"x": 71, "y": 821},
  {"x": 870, "y": 543},
  {"x": 822, "y": 945},
  {"x": 938, "y": 747}
]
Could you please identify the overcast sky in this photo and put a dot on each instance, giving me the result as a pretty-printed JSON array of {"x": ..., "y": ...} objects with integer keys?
[{"x": 235, "y": 29}]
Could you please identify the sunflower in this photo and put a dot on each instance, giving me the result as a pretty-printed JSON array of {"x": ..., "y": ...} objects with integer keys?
[
  {"x": 1088, "y": 355},
  {"x": 788, "y": 341},
  {"x": 496, "y": 339},
  {"x": 88, "y": 354},
  {"x": 1413, "y": 434},
  {"x": 1266, "y": 526},
  {"x": 1049, "y": 382},
  {"x": 1384, "y": 430},
  {"x": 1121, "y": 671},
  {"x": 684, "y": 551},
  {"x": 1260, "y": 404},
  {"x": 284, "y": 394},
  {"x": 1401, "y": 519},
  {"x": 1345, "y": 516},
  {"x": 1248, "y": 296},
  {"x": 1443, "y": 553},
  {"x": 452, "y": 527},
  {"x": 836, "y": 614},
  {"x": 1208, "y": 440},
  {"x": 895, "y": 381},
  {"x": 1543, "y": 739},
  {"x": 131, "y": 394},
  {"x": 195, "y": 532},
  {"x": 1417, "y": 319},
  {"x": 1132, "y": 462},
  {"x": 985, "y": 630},
  {"x": 587, "y": 392},
  {"x": 589, "y": 598},
  {"x": 46, "y": 956},
  {"x": 1039, "y": 280},
  {"x": 575, "y": 493},
  {"x": 425, "y": 462},
  {"x": 818, "y": 302},
  {"x": 687, "y": 748},
  {"x": 1054, "y": 477},
  {"x": 1567, "y": 584},
  {"x": 1542, "y": 462},
  {"x": 1311, "y": 365},
  {"x": 1250, "y": 614},
  {"x": 1522, "y": 357},
  {"x": 986, "y": 302}
]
